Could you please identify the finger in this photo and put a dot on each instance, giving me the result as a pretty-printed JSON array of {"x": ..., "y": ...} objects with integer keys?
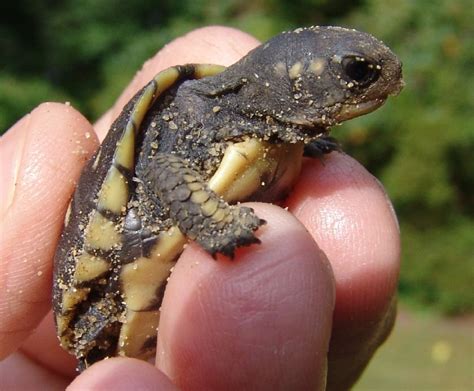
[
  {"x": 41, "y": 158},
  {"x": 18, "y": 372},
  {"x": 122, "y": 374},
  {"x": 43, "y": 347},
  {"x": 208, "y": 45},
  {"x": 261, "y": 321},
  {"x": 348, "y": 213}
]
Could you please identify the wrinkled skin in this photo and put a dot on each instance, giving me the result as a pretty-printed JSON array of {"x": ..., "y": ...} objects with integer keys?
[{"x": 284, "y": 290}]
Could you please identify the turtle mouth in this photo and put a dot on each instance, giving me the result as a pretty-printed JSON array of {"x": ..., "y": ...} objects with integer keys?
[
  {"x": 349, "y": 111},
  {"x": 352, "y": 110}
]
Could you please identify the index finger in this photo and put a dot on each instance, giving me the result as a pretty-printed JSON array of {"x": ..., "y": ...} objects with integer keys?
[{"x": 348, "y": 213}]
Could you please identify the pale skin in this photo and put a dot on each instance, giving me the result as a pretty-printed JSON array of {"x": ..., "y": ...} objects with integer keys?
[{"x": 327, "y": 266}]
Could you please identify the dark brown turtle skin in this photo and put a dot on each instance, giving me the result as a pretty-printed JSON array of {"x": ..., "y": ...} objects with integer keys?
[{"x": 186, "y": 148}]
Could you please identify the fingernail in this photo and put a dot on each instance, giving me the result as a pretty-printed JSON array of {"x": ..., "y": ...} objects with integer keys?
[{"x": 11, "y": 150}]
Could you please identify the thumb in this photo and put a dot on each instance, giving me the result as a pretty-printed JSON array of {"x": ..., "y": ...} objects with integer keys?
[{"x": 41, "y": 156}]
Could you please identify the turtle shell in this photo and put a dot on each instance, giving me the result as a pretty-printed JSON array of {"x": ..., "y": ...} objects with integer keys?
[{"x": 108, "y": 288}]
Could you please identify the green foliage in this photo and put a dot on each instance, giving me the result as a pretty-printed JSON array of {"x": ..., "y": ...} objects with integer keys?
[
  {"x": 420, "y": 144},
  {"x": 438, "y": 267}
]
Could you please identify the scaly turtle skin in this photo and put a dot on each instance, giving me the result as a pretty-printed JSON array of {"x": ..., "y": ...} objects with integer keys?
[{"x": 192, "y": 142}]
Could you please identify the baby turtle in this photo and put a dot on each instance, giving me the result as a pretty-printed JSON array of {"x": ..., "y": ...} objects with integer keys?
[{"x": 192, "y": 142}]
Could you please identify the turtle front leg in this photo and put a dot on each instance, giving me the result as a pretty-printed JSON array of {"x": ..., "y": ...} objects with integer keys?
[
  {"x": 199, "y": 212},
  {"x": 321, "y": 146}
]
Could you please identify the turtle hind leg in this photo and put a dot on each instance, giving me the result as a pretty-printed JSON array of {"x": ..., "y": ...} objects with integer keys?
[{"x": 199, "y": 212}]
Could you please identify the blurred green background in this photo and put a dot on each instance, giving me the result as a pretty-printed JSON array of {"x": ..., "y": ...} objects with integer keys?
[{"x": 420, "y": 144}]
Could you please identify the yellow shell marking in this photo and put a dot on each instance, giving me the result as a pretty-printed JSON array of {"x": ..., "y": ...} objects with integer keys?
[
  {"x": 89, "y": 267},
  {"x": 142, "y": 278},
  {"x": 138, "y": 328},
  {"x": 203, "y": 70},
  {"x": 113, "y": 194},
  {"x": 72, "y": 296},
  {"x": 125, "y": 152},
  {"x": 101, "y": 233},
  {"x": 165, "y": 80},
  {"x": 62, "y": 323}
]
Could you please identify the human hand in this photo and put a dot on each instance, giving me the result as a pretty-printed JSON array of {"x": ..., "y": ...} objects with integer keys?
[{"x": 263, "y": 321}]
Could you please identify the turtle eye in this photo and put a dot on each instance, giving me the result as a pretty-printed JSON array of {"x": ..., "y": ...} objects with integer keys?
[{"x": 360, "y": 71}]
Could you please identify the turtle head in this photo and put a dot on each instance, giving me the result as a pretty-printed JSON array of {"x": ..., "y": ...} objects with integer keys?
[{"x": 319, "y": 76}]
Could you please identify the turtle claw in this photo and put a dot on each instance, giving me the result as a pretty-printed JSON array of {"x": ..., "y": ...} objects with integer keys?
[{"x": 239, "y": 232}]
